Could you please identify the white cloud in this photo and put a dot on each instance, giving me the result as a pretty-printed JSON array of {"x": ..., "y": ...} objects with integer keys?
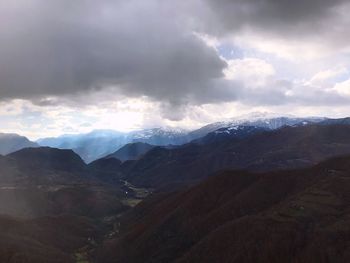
[
  {"x": 343, "y": 88},
  {"x": 252, "y": 71},
  {"x": 327, "y": 76}
]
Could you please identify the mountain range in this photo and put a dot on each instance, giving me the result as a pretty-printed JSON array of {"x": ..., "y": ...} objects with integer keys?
[
  {"x": 100, "y": 143},
  {"x": 284, "y": 148}
]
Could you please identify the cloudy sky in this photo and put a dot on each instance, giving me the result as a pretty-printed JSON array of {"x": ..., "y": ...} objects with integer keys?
[{"x": 74, "y": 66}]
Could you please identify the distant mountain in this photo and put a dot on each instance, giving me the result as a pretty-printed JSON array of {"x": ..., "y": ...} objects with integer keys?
[
  {"x": 100, "y": 143},
  {"x": 234, "y": 217},
  {"x": 284, "y": 148},
  {"x": 341, "y": 121},
  {"x": 160, "y": 136},
  {"x": 265, "y": 121},
  {"x": 230, "y": 132},
  {"x": 10, "y": 142},
  {"x": 131, "y": 151},
  {"x": 90, "y": 146}
]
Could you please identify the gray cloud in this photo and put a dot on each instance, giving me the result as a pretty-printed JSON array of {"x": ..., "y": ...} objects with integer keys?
[
  {"x": 280, "y": 16},
  {"x": 69, "y": 47},
  {"x": 147, "y": 48}
]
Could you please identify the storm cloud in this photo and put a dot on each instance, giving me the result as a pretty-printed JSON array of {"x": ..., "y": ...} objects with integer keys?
[
  {"x": 281, "y": 17},
  {"x": 65, "y": 47}
]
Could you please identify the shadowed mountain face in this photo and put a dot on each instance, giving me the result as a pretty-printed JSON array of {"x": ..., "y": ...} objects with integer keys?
[
  {"x": 287, "y": 216},
  {"x": 107, "y": 169},
  {"x": 12, "y": 142},
  {"x": 285, "y": 148},
  {"x": 46, "y": 239},
  {"x": 131, "y": 151},
  {"x": 46, "y": 181},
  {"x": 341, "y": 121},
  {"x": 49, "y": 158}
]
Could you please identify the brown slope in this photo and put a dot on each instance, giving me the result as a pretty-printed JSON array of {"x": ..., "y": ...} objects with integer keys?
[
  {"x": 47, "y": 239},
  {"x": 286, "y": 216}
]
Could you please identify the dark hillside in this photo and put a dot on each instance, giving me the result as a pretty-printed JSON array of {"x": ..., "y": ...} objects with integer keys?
[
  {"x": 286, "y": 148},
  {"x": 286, "y": 216}
]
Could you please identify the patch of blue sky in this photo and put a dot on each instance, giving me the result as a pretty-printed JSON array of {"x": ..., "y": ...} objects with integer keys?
[{"x": 229, "y": 51}]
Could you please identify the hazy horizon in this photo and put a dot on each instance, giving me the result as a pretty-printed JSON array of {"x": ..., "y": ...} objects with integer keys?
[{"x": 249, "y": 116}]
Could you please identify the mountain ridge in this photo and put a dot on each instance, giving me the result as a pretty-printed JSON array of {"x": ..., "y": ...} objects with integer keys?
[
  {"x": 99, "y": 143},
  {"x": 11, "y": 142},
  {"x": 284, "y": 148}
]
